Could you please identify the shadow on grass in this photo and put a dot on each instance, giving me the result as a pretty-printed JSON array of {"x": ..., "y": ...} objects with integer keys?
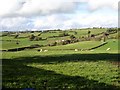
[
  {"x": 68, "y": 57},
  {"x": 17, "y": 75}
]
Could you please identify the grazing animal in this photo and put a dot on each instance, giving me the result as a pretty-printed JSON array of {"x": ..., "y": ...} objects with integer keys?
[
  {"x": 40, "y": 50},
  {"x": 108, "y": 49},
  {"x": 45, "y": 50},
  {"x": 76, "y": 50},
  {"x": 92, "y": 50}
]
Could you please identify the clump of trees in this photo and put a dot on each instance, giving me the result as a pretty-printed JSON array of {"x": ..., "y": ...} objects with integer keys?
[
  {"x": 89, "y": 34},
  {"x": 112, "y": 30},
  {"x": 53, "y": 44},
  {"x": 34, "y": 38},
  {"x": 105, "y": 36},
  {"x": 31, "y": 37},
  {"x": 72, "y": 37},
  {"x": 64, "y": 34},
  {"x": 16, "y": 36}
]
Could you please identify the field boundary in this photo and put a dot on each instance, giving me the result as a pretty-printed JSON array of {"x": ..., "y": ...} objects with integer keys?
[
  {"x": 83, "y": 49},
  {"x": 37, "y": 46}
]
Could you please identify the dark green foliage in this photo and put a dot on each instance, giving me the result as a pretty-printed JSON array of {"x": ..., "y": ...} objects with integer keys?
[
  {"x": 31, "y": 37},
  {"x": 92, "y": 35},
  {"x": 39, "y": 34},
  {"x": 31, "y": 31},
  {"x": 112, "y": 30},
  {"x": 55, "y": 43},
  {"x": 16, "y": 36},
  {"x": 72, "y": 37},
  {"x": 75, "y": 33},
  {"x": 34, "y": 38},
  {"x": 37, "y": 38},
  {"x": 89, "y": 34}
]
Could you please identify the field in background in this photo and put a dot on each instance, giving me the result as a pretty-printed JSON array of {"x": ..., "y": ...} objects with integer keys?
[{"x": 70, "y": 66}]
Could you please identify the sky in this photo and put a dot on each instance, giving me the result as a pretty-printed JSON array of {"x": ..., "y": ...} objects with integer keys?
[{"x": 57, "y": 14}]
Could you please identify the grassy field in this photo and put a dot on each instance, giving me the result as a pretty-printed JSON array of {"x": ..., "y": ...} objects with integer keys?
[
  {"x": 31, "y": 69},
  {"x": 79, "y": 45},
  {"x": 62, "y": 69}
]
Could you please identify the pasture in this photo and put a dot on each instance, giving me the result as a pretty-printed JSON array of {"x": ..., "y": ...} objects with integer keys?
[{"x": 73, "y": 66}]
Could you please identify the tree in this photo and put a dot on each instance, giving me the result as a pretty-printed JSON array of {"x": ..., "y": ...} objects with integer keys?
[
  {"x": 75, "y": 32},
  {"x": 36, "y": 38},
  {"x": 89, "y": 33},
  {"x": 72, "y": 37},
  {"x": 31, "y": 37},
  {"x": 39, "y": 34},
  {"x": 105, "y": 36},
  {"x": 16, "y": 36}
]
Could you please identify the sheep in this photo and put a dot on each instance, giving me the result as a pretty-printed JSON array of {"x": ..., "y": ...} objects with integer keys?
[
  {"x": 107, "y": 49},
  {"x": 40, "y": 50},
  {"x": 45, "y": 50},
  {"x": 76, "y": 50},
  {"x": 91, "y": 50}
]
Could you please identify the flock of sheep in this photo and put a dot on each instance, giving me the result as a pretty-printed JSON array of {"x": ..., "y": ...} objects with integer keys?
[{"x": 41, "y": 50}]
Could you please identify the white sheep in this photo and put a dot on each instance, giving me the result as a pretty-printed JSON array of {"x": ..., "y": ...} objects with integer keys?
[
  {"x": 91, "y": 50},
  {"x": 45, "y": 50},
  {"x": 76, "y": 50},
  {"x": 108, "y": 49},
  {"x": 40, "y": 50}
]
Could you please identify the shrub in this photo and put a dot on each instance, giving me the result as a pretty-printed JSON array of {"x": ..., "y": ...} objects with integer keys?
[
  {"x": 55, "y": 43},
  {"x": 92, "y": 35},
  {"x": 112, "y": 30},
  {"x": 31, "y": 37},
  {"x": 16, "y": 36},
  {"x": 36, "y": 38},
  {"x": 72, "y": 37},
  {"x": 75, "y": 32}
]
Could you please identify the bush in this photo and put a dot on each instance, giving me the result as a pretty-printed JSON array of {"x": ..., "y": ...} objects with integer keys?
[
  {"x": 16, "y": 36},
  {"x": 92, "y": 35},
  {"x": 72, "y": 37},
  {"x": 64, "y": 43},
  {"x": 75, "y": 33},
  {"x": 36, "y": 38},
  {"x": 31, "y": 37},
  {"x": 53, "y": 44},
  {"x": 112, "y": 30}
]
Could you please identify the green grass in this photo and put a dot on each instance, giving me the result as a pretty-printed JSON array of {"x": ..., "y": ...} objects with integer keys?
[
  {"x": 29, "y": 68},
  {"x": 112, "y": 44},
  {"x": 25, "y": 41},
  {"x": 84, "y": 32},
  {"x": 48, "y": 34},
  {"x": 61, "y": 69},
  {"x": 79, "y": 45},
  {"x": 22, "y": 43}
]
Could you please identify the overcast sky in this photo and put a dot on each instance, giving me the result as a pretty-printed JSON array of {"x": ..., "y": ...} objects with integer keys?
[{"x": 54, "y": 14}]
